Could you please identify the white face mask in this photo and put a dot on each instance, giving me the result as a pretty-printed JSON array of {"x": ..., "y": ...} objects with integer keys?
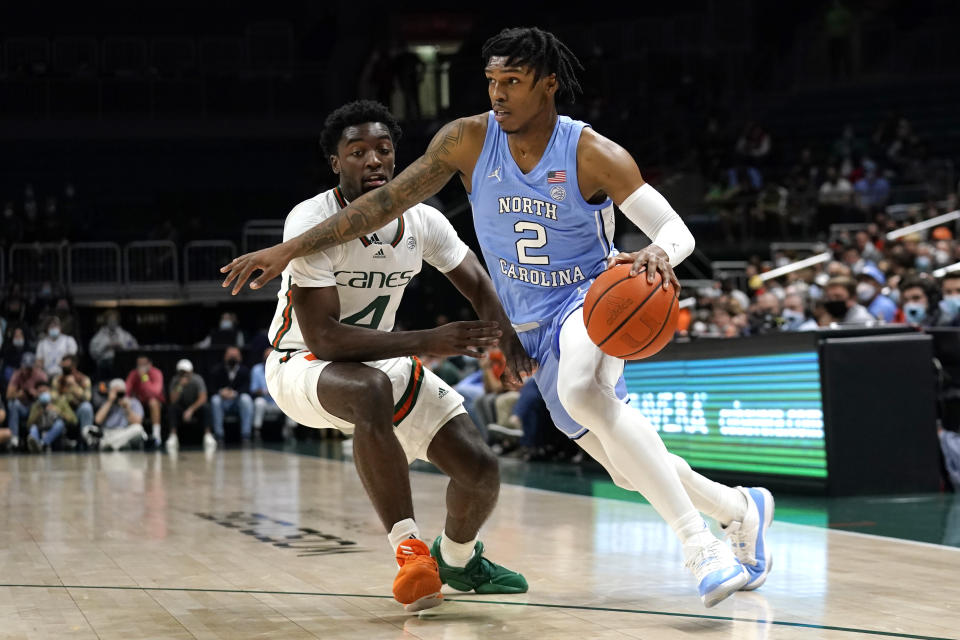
[
  {"x": 53, "y": 332},
  {"x": 865, "y": 292}
]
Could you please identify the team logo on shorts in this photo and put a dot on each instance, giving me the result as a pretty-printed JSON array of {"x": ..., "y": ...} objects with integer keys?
[
  {"x": 558, "y": 193},
  {"x": 411, "y": 243}
]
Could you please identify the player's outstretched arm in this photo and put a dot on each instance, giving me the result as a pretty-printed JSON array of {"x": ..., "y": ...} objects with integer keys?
[
  {"x": 371, "y": 211},
  {"x": 471, "y": 279},
  {"x": 604, "y": 167},
  {"x": 318, "y": 312}
]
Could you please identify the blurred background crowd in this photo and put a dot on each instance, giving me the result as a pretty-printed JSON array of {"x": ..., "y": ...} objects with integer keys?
[{"x": 815, "y": 138}]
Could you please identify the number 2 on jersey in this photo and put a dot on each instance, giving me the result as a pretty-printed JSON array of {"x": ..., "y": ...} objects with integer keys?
[
  {"x": 531, "y": 243},
  {"x": 377, "y": 308}
]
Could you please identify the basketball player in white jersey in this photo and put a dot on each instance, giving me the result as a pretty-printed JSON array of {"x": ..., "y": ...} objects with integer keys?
[
  {"x": 542, "y": 187},
  {"x": 336, "y": 363}
]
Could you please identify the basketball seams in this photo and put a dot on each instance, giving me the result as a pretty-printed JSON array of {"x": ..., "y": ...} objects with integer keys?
[
  {"x": 586, "y": 321},
  {"x": 632, "y": 313},
  {"x": 663, "y": 326}
]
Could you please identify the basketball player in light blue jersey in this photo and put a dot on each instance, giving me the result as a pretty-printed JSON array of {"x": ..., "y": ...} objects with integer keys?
[{"x": 543, "y": 188}]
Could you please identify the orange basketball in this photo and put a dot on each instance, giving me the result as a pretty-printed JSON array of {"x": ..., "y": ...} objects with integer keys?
[{"x": 627, "y": 317}]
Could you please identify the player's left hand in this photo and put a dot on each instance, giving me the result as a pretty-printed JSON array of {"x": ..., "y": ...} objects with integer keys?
[
  {"x": 653, "y": 259},
  {"x": 271, "y": 261},
  {"x": 518, "y": 362}
]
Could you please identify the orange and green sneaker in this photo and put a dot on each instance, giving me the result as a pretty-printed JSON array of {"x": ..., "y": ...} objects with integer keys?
[{"x": 479, "y": 575}]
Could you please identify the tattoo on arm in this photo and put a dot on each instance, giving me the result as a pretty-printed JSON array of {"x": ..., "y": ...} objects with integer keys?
[{"x": 422, "y": 179}]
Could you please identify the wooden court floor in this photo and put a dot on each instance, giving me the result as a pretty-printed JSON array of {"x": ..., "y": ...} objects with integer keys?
[{"x": 257, "y": 543}]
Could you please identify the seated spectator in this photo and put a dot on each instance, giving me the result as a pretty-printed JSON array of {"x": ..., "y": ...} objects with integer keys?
[
  {"x": 188, "y": 405},
  {"x": 836, "y": 191},
  {"x": 949, "y": 305},
  {"x": 227, "y": 334},
  {"x": 22, "y": 392},
  {"x": 105, "y": 342},
  {"x": 443, "y": 367},
  {"x": 869, "y": 286},
  {"x": 76, "y": 388},
  {"x": 53, "y": 346},
  {"x": 915, "y": 302},
  {"x": 231, "y": 380},
  {"x": 796, "y": 315},
  {"x": 63, "y": 311},
  {"x": 765, "y": 317},
  {"x": 48, "y": 419},
  {"x": 872, "y": 191},
  {"x": 492, "y": 365},
  {"x": 840, "y": 302},
  {"x": 118, "y": 420},
  {"x": 529, "y": 417},
  {"x": 145, "y": 383},
  {"x": 263, "y": 404},
  {"x": 12, "y": 351},
  {"x": 868, "y": 249}
]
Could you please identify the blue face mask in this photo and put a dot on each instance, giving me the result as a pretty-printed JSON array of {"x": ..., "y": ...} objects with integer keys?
[
  {"x": 44, "y": 397},
  {"x": 950, "y": 306},
  {"x": 922, "y": 263},
  {"x": 916, "y": 312},
  {"x": 793, "y": 318}
]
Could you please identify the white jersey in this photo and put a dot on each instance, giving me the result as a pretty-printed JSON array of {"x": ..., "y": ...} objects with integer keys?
[{"x": 370, "y": 273}]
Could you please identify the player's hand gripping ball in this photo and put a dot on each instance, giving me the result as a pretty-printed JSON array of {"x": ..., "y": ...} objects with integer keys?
[{"x": 627, "y": 317}]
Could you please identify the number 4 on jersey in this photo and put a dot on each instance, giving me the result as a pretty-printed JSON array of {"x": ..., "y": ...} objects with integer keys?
[{"x": 377, "y": 308}]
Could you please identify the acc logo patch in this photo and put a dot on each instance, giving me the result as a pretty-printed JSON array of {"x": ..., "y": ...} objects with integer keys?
[
  {"x": 558, "y": 193},
  {"x": 411, "y": 243}
]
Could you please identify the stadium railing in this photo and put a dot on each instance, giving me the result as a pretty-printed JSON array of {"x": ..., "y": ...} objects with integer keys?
[
  {"x": 260, "y": 234},
  {"x": 35, "y": 263},
  {"x": 94, "y": 269},
  {"x": 151, "y": 269}
]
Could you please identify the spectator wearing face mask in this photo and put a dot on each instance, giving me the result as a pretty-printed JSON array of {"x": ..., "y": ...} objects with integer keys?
[
  {"x": 22, "y": 392},
  {"x": 840, "y": 302},
  {"x": 145, "y": 383},
  {"x": 915, "y": 297},
  {"x": 231, "y": 379},
  {"x": 869, "y": 293},
  {"x": 48, "y": 419},
  {"x": 796, "y": 316},
  {"x": 107, "y": 340},
  {"x": 227, "y": 334},
  {"x": 53, "y": 346},
  {"x": 14, "y": 346},
  {"x": 76, "y": 388},
  {"x": 949, "y": 305}
]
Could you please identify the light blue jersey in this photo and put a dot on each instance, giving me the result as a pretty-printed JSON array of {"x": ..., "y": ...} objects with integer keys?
[
  {"x": 543, "y": 245},
  {"x": 540, "y": 239}
]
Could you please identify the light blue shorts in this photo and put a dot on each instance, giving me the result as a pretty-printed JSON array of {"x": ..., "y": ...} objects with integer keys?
[{"x": 543, "y": 345}]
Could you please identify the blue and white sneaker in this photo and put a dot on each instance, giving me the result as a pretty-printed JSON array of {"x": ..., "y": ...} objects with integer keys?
[
  {"x": 748, "y": 537},
  {"x": 719, "y": 574}
]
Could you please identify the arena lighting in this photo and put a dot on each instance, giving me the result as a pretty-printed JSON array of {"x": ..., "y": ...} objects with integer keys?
[
  {"x": 926, "y": 224},
  {"x": 950, "y": 268},
  {"x": 758, "y": 280}
]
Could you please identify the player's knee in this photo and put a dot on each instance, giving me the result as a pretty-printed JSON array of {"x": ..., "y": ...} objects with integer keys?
[
  {"x": 682, "y": 467},
  {"x": 582, "y": 400},
  {"x": 372, "y": 404},
  {"x": 487, "y": 470}
]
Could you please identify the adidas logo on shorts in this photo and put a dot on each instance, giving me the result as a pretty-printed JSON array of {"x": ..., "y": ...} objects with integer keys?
[{"x": 443, "y": 392}]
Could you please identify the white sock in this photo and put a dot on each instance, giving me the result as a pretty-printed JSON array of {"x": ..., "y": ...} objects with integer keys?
[
  {"x": 456, "y": 554},
  {"x": 403, "y": 530},
  {"x": 720, "y": 502},
  {"x": 156, "y": 432},
  {"x": 692, "y": 530}
]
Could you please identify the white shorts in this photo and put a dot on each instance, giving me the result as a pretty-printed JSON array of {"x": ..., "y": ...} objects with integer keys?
[{"x": 423, "y": 402}]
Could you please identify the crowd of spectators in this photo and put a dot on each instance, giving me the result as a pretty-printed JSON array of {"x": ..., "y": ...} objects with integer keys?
[
  {"x": 48, "y": 400},
  {"x": 754, "y": 191}
]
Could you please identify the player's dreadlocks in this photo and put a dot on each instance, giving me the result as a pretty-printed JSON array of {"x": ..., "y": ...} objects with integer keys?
[
  {"x": 354, "y": 113},
  {"x": 541, "y": 51}
]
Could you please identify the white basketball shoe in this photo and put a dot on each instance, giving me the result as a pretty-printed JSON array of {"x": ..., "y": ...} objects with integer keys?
[
  {"x": 748, "y": 537},
  {"x": 718, "y": 572}
]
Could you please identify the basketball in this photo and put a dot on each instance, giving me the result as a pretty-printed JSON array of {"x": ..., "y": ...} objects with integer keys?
[{"x": 629, "y": 318}]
